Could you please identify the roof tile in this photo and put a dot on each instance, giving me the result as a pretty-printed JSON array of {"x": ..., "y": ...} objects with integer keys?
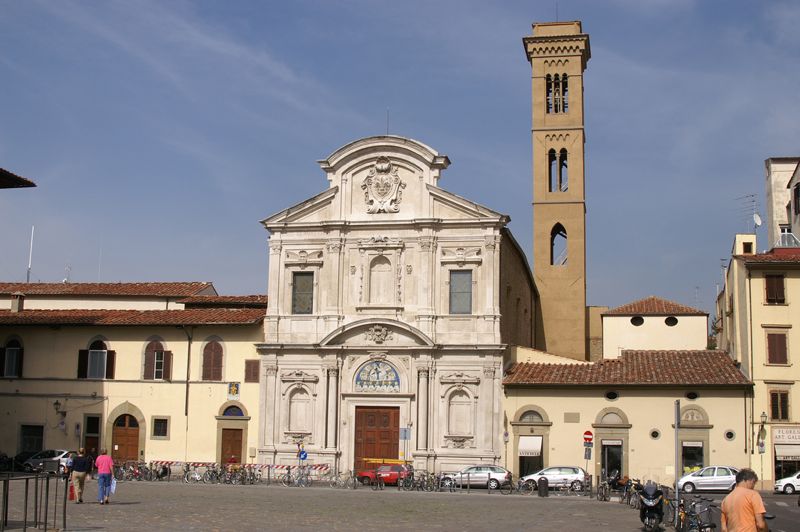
[
  {"x": 653, "y": 305},
  {"x": 179, "y": 289},
  {"x": 205, "y": 316}
]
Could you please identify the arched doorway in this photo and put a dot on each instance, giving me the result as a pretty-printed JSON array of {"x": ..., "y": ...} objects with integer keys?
[{"x": 125, "y": 438}]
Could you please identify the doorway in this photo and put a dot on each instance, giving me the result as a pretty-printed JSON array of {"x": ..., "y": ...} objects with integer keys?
[
  {"x": 377, "y": 435},
  {"x": 125, "y": 438},
  {"x": 91, "y": 434},
  {"x": 231, "y": 451},
  {"x": 612, "y": 457}
]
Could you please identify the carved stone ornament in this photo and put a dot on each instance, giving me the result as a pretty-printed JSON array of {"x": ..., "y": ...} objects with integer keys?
[
  {"x": 461, "y": 256},
  {"x": 459, "y": 378},
  {"x": 298, "y": 376},
  {"x": 383, "y": 189},
  {"x": 458, "y": 442},
  {"x": 303, "y": 258},
  {"x": 378, "y": 334},
  {"x": 409, "y": 269},
  {"x": 380, "y": 242}
]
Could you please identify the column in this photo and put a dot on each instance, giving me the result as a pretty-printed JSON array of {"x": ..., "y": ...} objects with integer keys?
[
  {"x": 333, "y": 399},
  {"x": 270, "y": 406},
  {"x": 422, "y": 410}
]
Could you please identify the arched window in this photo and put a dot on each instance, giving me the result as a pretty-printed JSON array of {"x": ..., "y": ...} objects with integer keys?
[
  {"x": 552, "y": 171},
  {"x": 380, "y": 280},
  {"x": 459, "y": 413},
  {"x": 558, "y": 246},
  {"x": 11, "y": 359},
  {"x": 299, "y": 403},
  {"x": 157, "y": 362},
  {"x": 612, "y": 418},
  {"x": 212, "y": 361},
  {"x": 233, "y": 411},
  {"x": 564, "y": 94},
  {"x": 563, "y": 174},
  {"x": 556, "y": 94},
  {"x": 531, "y": 416},
  {"x": 549, "y": 94},
  {"x": 97, "y": 362}
]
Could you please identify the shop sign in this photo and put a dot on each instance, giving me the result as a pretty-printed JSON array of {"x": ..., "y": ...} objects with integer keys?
[{"x": 786, "y": 434}]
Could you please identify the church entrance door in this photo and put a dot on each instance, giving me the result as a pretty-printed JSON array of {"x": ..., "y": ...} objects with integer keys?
[{"x": 377, "y": 435}]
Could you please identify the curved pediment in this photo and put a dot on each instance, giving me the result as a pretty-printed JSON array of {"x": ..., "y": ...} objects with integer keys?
[{"x": 380, "y": 333}]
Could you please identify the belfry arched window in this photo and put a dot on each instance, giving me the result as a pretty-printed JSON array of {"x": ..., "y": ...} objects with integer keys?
[
  {"x": 558, "y": 246},
  {"x": 556, "y": 93},
  {"x": 563, "y": 174}
]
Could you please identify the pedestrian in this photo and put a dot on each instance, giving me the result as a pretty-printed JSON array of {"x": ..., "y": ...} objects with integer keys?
[
  {"x": 743, "y": 510},
  {"x": 105, "y": 468},
  {"x": 80, "y": 468}
]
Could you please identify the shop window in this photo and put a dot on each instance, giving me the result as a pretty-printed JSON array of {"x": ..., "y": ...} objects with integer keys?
[
  {"x": 779, "y": 405},
  {"x": 775, "y": 289},
  {"x": 11, "y": 359},
  {"x": 302, "y": 292},
  {"x": 692, "y": 457}
]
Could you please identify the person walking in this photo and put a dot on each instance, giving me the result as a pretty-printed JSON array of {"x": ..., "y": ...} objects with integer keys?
[
  {"x": 105, "y": 468},
  {"x": 743, "y": 509},
  {"x": 80, "y": 468}
]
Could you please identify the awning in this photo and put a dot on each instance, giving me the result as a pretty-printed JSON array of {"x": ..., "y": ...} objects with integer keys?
[
  {"x": 787, "y": 451},
  {"x": 530, "y": 446}
]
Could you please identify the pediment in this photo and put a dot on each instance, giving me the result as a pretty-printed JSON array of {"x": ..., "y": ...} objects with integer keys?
[
  {"x": 314, "y": 209},
  {"x": 377, "y": 334},
  {"x": 449, "y": 206}
]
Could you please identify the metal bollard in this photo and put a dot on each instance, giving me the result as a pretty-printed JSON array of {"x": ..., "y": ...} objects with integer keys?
[{"x": 543, "y": 487}]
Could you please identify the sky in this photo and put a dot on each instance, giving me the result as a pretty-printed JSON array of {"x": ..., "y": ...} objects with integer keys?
[{"x": 160, "y": 133}]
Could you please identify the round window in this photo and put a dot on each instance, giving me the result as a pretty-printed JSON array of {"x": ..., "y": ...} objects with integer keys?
[
  {"x": 611, "y": 395},
  {"x": 655, "y": 434},
  {"x": 730, "y": 435},
  {"x": 672, "y": 321},
  {"x": 637, "y": 321},
  {"x": 692, "y": 396}
]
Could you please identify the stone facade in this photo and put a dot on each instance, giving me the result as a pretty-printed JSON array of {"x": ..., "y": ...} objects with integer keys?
[{"x": 385, "y": 298}]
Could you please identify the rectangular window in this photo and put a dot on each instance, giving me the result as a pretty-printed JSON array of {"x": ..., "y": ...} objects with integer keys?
[
  {"x": 776, "y": 348},
  {"x": 12, "y": 357},
  {"x": 461, "y": 292},
  {"x": 158, "y": 369},
  {"x": 97, "y": 364},
  {"x": 251, "y": 370},
  {"x": 160, "y": 427},
  {"x": 779, "y": 405},
  {"x": 747, "y": 248},
  {"x": 302, "y": 293},
  {"x": 31, "y": 437},
  {"x": 796, "y": 198},
  {"x": 775, "y": 289}
]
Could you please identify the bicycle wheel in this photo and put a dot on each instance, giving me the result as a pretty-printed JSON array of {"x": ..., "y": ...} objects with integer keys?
[
  {"x": 286, "y": 480},
  {"x": 526, "y": 488},
  {"x": 506, "y": 488}
]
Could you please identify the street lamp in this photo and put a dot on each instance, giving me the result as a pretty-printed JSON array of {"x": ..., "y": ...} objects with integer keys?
[{"x": 57, "y": 405}]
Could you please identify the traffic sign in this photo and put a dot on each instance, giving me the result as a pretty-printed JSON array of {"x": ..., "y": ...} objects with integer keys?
[
  {"x": 587, "y": 453},
  {"x": 303, "y": 455},
  {"x": 588, "y": 436},
  {"x": 588, "y": 444}
]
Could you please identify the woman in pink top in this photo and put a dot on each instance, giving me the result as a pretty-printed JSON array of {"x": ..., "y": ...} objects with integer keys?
[{"x": 105, "y": 466}]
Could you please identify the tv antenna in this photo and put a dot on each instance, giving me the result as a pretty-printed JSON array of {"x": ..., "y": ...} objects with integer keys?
[{"x": 756, "y": 221}]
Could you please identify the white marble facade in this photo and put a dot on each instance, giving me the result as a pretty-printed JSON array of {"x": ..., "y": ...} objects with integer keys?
[{"x": 361, "y": 313}]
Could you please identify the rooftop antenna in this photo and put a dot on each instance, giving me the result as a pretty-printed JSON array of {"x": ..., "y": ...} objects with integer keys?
[
  {"x": 747, "y": 208},
  {"x": 697, "y": 296},
  {"x": 30, "y": 257},
  {"x": 67, "y": 269},
  {"x": 756, "y": 221}
]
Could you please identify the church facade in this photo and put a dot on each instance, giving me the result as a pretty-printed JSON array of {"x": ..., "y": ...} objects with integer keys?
[{"x": 391, "y": 303}]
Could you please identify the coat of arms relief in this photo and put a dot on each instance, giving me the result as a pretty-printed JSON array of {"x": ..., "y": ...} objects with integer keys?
[{"x": 383, "y": 189}]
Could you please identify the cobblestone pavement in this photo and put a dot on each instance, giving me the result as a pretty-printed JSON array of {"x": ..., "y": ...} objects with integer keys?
[{"x": 178, "y": 506}]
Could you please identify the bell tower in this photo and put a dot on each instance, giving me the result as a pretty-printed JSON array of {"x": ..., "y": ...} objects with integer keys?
[{"x": 558, "y": 53}]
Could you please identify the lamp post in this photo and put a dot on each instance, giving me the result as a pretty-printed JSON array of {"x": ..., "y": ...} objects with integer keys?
[{"x": 762, "y": 434}]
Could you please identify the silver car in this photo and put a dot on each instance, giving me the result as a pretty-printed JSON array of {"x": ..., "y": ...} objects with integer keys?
[
  {"x": 788, "y": 485},
  {"x": 559, "y": 476},
  {"x": 37, "y": 461},
  {"x": 484, "y": 475},
  {"x": 720, "y": 478}
]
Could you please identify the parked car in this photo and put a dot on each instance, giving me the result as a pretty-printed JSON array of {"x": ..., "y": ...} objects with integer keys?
[
  {"x": 484, "y": 475},
  {"x": 20, "y": 458},
  {"x": 721, "y": 478},
  {"x": 558, "y": 476},
  {"x": 37, "y": 461},
  {"x": 788, "y": 485},
  {"x": 5, "y": 462},
  {"x": 389, "y": 473}
]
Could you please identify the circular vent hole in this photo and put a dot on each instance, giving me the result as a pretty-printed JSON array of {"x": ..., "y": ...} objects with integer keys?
[
  {"x": 636, "y": 321},
  {"x": 692, "y": 395},
  {"x": 655, "y": 434},
  {"x": 672, "y": 321},
  {"x": 611, "y": 395},
  {"x": 730, "y": 435}
]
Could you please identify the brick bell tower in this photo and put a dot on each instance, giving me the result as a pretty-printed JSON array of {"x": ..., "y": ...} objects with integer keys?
[{"x": 558, "y": 53}]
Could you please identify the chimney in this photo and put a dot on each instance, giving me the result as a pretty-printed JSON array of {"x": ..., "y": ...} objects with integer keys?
[{"x": 17, "y": 302}]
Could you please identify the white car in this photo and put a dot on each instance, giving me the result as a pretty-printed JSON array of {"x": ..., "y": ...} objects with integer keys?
[
  {"x": 719, "y": 478},
  {"x": 558, "y": 476},
  {"x": 788, "y": 485},
  {"x": 37, "y": 461}
]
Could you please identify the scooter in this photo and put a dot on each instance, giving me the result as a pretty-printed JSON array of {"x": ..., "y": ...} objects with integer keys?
[{"x": 651, "y": 508}]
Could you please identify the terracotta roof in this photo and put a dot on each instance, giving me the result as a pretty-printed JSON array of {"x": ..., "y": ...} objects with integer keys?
[
  {"x": 183, "y": 289},
  {"x": 653, "y": 305},
  {"x": 250, "y": 301},
  {"x": 783, "y": 255},
  {"x": 670, "y": 368},
  {"x": 209, "y": 316},
  {"x": 12, "y": 180}
]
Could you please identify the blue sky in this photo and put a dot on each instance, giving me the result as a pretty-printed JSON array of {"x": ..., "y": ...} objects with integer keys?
[{"x": 160, "y": 133}]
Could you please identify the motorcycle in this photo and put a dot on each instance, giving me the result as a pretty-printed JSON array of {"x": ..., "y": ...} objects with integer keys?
[{"x": 651, "y": 508}]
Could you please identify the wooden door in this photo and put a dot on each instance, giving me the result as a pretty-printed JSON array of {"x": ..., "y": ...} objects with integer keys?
[
  {"x": 231, "y": 446},
  {"x": 377, "y": 435},
  {"x": 125, "y": 438}
]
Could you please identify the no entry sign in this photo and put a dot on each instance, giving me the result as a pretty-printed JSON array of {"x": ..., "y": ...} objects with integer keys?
[{"x": 588, "y": 436}]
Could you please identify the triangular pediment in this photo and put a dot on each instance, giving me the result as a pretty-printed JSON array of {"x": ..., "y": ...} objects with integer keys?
[
  {"x": 377, "y": 334},
  {"x": 313, "y": 209},
  {"x": 449, "y": 206}
]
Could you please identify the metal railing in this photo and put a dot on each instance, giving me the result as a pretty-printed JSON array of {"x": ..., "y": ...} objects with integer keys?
[{"x": 36, "y": 499}]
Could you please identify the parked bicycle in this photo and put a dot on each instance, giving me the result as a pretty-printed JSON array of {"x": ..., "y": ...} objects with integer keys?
[{"x": 520, "y": 487}]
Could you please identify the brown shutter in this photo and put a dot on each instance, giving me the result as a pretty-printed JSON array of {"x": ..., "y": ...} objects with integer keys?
[
  {"x": 149, "y": 363},
  {"x": 217, "y": 369},
  {"x": 251, "y": 370},
  {"x": 207, "y": 355},
  {"x": 83, "y": 363},
  {"x": 776, "y": 348},
  {"x": 110, "y": 360},
  {"x": 784, "y": 405},
  {"x": 770, "y": 281},
  {"x": 779, "y": 289},
  {"x": 167, "y": 365},
  {"x": 19, "y": 362}
]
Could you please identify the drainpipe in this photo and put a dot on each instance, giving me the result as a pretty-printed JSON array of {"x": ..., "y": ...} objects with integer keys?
[
  {"x": 752, "y": 377},
  {"x": 189, "y": 334}
]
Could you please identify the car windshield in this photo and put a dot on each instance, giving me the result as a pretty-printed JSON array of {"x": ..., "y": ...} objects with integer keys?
[{"x": 385, "y": 468}]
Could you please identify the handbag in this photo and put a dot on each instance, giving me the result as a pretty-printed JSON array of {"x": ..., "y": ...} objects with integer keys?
[
  {"x": 71, "y": 491},
  {"x": 113, "y": 485}
]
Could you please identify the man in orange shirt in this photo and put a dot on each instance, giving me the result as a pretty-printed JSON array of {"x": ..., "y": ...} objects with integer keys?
[{"x": 743, "y": 510}]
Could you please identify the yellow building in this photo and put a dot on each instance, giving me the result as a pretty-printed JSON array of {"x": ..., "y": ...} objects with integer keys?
[{"x": 150, "y": 371}]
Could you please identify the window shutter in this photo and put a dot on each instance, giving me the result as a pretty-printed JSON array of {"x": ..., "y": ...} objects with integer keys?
[
  {"x": 3, "y": 361},
  {"x": 776, "y": 348},
  {"x": 19, "y": 361},
  {"x": 207, "y": 355},
  {"x": 110, "y": 359},
  {"x": 149, "y": 364},
  {"x": 83, "y": 363},
  {"x": 251, "y": 370},
  {"x": 784, "y": 405},
  {"x": 216, "y": 373},
  {"x": 774, "y": 405},
  {"x": 167, "y": 365},
  {"x": 779, "y": 289},
  {"x": 770, "y": 280}
]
